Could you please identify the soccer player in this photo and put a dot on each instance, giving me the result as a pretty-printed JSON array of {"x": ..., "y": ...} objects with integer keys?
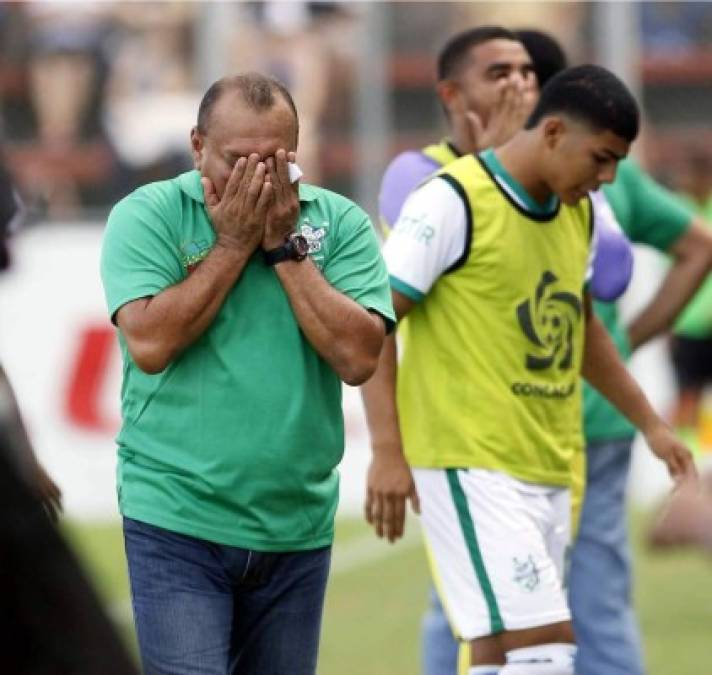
[
  {"x": 488, "y": 261},
  {"x": 486, "y": 87}
]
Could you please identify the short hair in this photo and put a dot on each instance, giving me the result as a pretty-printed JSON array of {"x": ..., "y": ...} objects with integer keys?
[
  {"x": 593, "y": 95},
  {"x": 258, "y": 91},
  {"x": 456, "y": 51},
  {"x": 547, "y": 55}
]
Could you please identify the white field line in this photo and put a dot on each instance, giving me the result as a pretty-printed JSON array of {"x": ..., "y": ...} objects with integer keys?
[{"x": 358, "y": 552}]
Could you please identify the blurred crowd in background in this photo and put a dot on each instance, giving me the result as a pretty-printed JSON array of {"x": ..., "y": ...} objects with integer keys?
[{"x": 97, "y": 98}]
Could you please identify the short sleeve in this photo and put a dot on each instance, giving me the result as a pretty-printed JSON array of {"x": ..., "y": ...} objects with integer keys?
[
  {"x": 612, "y": 255},
  {"x": 648, "y": 213},
  {"x": 405, "y": 173},
  {"x": 429, "y": 237},
  {"x": 355, "y": 266},
  {"x": 138, "y": 257}
]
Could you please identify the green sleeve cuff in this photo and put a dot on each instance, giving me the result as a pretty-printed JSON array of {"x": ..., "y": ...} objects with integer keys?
[{"x": 404, "y": 289}]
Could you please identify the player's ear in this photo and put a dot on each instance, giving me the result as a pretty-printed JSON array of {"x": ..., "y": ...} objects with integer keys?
[
  {"x": 553, "y": 130},
  {"x": 197, "y": 145},
  {"x": 449, "y": 94}
]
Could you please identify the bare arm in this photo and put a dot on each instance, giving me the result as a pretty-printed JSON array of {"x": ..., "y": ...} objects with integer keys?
[
  {"x": 157, "y": 329},
  {"x": 345, "y": 334},
  {"x": 692, "y": 255},
  {"x": 389, "y": 482},
  {"x": 604, "y": 369}
]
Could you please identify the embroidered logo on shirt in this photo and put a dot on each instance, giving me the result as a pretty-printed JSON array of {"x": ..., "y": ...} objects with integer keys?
[
  {"x": 193, "y": 252},
  {"x": 316, "y": 238}
]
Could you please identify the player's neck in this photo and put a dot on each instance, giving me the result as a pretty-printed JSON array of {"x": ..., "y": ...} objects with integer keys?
[{"x": 520, "y": 159}]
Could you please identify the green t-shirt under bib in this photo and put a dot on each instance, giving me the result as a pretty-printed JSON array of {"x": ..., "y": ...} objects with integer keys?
[{"x": 648, "y": 214}]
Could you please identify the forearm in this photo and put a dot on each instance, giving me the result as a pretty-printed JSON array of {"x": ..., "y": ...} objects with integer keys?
[
  {"x": 672, "y": 296},
  {"x": 159, "y": 328},
  {"x": 692, "y": 256},
  {"x": 604, "y": 369},
  {"x": 345, "y": 334},
  {"x": 379, "y": 401}
]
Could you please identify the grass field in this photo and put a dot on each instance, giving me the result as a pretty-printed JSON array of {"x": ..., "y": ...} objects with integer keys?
[{"x": 376, "y": 597}]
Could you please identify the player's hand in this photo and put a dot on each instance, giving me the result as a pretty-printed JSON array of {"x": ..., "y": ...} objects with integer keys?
[
  {"x": 47, "y": 491},
  {"x": 666, "y": 446},
  {"x": 389, "y": 484},
  {"x": 239, "y": 216},
  {"x": 284, "y": 211},
  {"x": 509, "y": 114}
]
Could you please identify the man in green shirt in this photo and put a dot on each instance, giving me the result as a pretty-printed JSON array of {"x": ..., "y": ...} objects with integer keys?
[{"x": 242, "y": 301}]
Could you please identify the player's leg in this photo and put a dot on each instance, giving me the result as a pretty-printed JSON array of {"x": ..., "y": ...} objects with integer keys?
[
  {"x": 182, "y": 601},
  {"x": 278, "y": 610},
  {"x": 497, "y": 577},
  {"x": 600, "y": 576}
]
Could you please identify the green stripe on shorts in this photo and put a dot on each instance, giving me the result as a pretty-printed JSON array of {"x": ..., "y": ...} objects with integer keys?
[{"x": 468, "y": 529}]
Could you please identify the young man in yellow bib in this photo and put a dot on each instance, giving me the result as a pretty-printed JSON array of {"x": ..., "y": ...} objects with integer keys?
[{"x": 488, "y": 261}]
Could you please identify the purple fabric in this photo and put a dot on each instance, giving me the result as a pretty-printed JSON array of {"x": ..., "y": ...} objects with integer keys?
[
  {"x": 402, "y": 176},
  {"x": 612, "y": 264}
]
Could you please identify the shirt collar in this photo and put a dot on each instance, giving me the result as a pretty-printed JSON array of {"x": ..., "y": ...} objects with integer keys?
[
  {"x": 527, "y": 201},
  {"x": 189, "y": 183}
]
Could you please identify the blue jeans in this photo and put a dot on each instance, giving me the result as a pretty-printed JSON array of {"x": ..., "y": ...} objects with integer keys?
[
  {"x": 209, "y": 609},
  {"x": 600, "y": 577},
  {"x": 438, "y": 644}
]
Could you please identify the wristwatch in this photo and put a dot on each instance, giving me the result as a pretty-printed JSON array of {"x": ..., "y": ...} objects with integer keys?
[{"x": 295, "y": 247}]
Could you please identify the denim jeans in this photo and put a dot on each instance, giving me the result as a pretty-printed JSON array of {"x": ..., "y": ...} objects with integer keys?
[
  {"x": 600, "y": 577},
  {"x": 209, "y": 609},
  {"x": 438, "y": 644}
]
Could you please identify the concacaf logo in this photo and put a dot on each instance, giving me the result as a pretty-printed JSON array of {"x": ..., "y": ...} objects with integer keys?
[{"x": 548, "y": 321}]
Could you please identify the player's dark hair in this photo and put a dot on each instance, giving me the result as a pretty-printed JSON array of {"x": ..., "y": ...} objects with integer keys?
[
  {"x": 547, "y": 55},
  {"x": 593, "y": 95},
  {"x": 258, "y": 91},
  {"x": 457, "y": 50}
]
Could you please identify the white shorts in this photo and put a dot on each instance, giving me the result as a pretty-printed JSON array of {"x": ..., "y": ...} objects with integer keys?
[{"x": 497, "y": 548}]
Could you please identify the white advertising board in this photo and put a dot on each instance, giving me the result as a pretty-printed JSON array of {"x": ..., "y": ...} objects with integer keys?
[{"x": 60, "y": 351}]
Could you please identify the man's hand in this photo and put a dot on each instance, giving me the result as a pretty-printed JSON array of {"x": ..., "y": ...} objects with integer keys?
[
  {"x": 239, "y": 216},
  {"x": 508, "y": 115},
  {"x": 667, "y": 447},
  {"x": 284, "y": 211},
  {"x": 388, "y": 485}
]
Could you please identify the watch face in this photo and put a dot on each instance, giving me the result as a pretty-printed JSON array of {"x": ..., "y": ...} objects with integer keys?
[{"x": 301, "y": 246}]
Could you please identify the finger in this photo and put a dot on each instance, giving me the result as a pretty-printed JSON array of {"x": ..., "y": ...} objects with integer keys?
[
  {"x": 368, "y": 507},
  {"x": 273, "y": 178},
  {"x": 246, "y": 181},
  {"x": 377, "y": 514},
  {"x": 476, "y": 128},
  {"x": 233, "y": 183},
  {"x": 414, "y": 500},
  {"x": 211, "y": 196},
  {"x": 398, "y": 523},
  {"x": 389, "y": 518},
  {"x": 254, "y": 189},
  {"x": 292, "y": 156},
  {"x": 280, "y": 160},
  {"x": 265, "y": 200}
]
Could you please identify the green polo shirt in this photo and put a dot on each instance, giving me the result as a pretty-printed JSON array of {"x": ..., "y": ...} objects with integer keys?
[
  {"x": 648, "y": 214},
  {"x": 238, "y": 440}
]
